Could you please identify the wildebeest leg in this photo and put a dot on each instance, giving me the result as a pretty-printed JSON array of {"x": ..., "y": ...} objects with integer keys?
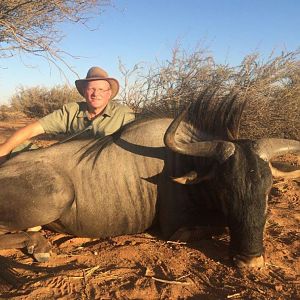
[
  {"x": 172, "y": 207},
  {"x": 196, "y": 233},
  {"x": 182, "y": 218},
  {"x": 35, "y": 243}
]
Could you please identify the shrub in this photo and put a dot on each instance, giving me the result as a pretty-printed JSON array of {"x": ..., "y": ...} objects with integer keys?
[
  {"x": 38, "y": 101},
  {"x": 4, "y": 112},
  {"x": 271, "y": 89}
]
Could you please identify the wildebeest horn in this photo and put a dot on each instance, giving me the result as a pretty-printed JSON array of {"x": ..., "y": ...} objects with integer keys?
[
  {"x": 292, "y": 173},
  {"x": 220, "y": 150},
  {"x": 269, "y": 148}
]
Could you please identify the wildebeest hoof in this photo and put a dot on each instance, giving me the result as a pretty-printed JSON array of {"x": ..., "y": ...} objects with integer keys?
[
  {"x": 34, "y": 229},
  {"x": 41, "y": 257},
  {"x": 195, "y": 233},
  {"x": 30, "y": 249},
  {"x": 252, "y": 262}
]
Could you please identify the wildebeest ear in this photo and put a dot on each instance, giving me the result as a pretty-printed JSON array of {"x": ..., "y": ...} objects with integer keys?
[
  {"x": 193, "y": 177},
  {"x": 281, "y": 169}
]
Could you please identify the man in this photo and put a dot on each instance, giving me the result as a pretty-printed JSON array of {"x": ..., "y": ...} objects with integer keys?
[{"x": 98, "y": 113}]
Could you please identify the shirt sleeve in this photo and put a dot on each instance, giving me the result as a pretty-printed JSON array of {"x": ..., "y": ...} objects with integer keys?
[
  {"x": 56, "y": 122},
  {"x": 129, "y": 116}
]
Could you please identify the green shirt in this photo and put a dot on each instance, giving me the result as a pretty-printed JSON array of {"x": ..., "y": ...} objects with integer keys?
[{"x": 72, "y": 118}]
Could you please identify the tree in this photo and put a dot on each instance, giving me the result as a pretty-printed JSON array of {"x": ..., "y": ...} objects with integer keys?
[{"x": 30, "y": 26}]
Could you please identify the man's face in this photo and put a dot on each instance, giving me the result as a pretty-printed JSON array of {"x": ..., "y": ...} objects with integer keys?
[{"x": 97, "y": 94}]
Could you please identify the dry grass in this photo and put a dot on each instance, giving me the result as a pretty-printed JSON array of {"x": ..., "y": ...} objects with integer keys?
[
  {"x": 38, "y": 101},
  {"x": 271, "y": 89}
]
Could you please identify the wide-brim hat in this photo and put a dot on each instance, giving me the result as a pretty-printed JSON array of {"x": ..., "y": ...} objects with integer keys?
[{"x": 96, "y": 73}]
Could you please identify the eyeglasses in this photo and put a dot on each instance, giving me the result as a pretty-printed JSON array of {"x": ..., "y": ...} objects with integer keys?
[{"x": 100, "y": 91}]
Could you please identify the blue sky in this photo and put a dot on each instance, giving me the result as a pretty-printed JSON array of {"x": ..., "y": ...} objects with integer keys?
[{"x": 146, "y": 30}]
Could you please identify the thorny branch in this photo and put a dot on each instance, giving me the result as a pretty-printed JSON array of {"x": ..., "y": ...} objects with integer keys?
[{"x": 30, "y": 27}]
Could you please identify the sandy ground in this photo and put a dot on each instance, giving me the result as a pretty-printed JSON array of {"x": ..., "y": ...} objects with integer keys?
[{"x": 143, "y": 266}]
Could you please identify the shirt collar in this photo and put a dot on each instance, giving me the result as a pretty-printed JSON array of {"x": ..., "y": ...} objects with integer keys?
[
  {"x": 108, "y": 109},
  {"x": 82, "y": 113}
]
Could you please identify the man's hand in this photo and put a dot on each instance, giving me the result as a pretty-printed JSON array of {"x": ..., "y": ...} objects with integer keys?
[{"x": 19, "y": 137}]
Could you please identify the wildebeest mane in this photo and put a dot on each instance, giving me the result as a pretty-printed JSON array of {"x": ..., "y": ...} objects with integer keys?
[
  {"x": 95, "y": 147},
  {"x": 213, "y": 112},
  {"x": 217, "y": 115}
]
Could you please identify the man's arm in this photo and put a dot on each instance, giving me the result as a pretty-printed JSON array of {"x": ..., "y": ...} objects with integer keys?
[{"x": 18, "y": 138}]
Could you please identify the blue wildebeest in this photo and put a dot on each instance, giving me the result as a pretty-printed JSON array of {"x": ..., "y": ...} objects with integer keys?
[{"x": 185, "y": 173}]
